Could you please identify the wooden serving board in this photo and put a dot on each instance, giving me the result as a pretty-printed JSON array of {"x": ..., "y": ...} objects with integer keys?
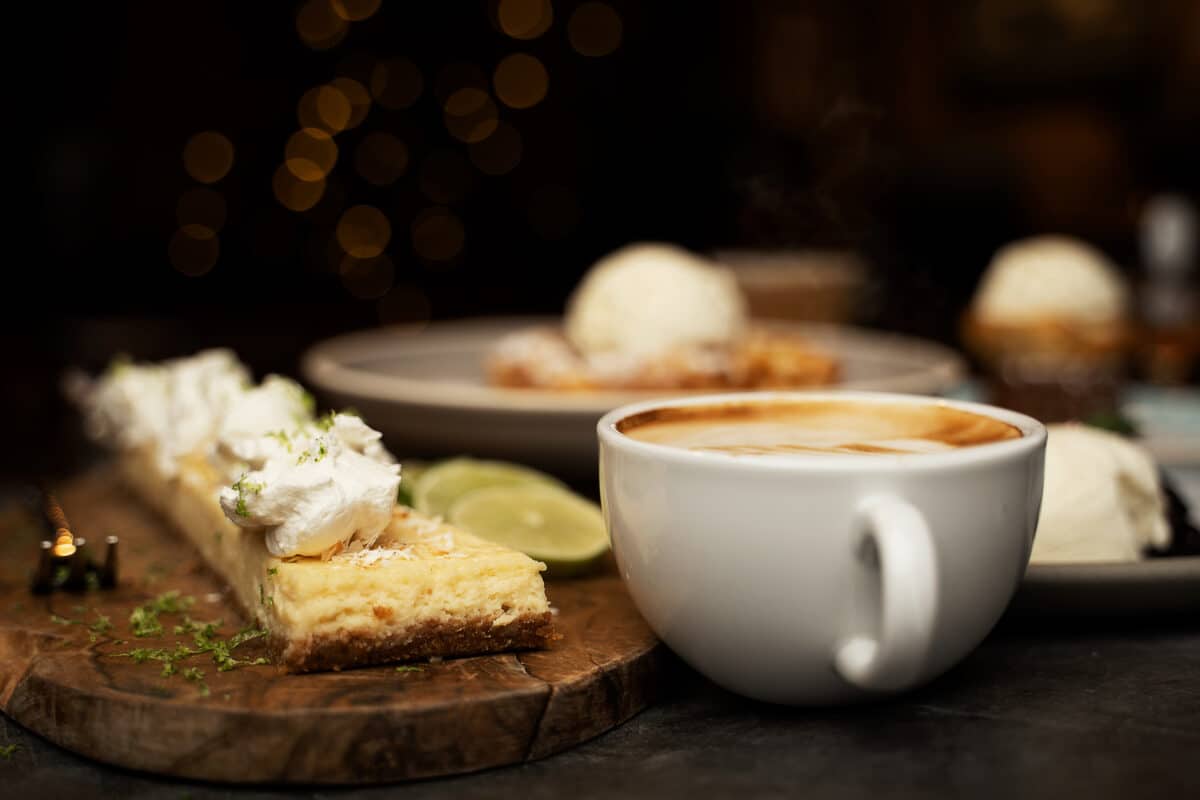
[{"x": 72, "y": 685}]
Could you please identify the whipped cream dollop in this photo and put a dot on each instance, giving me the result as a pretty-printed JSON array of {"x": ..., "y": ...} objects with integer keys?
[
  {"x": 647, "y": 299},
  {"x": 126, "y": 407},
  {"x": 278, "y": 404},
  {"x": 175, "y": 407},
  {"x": 316, "y": 487},
  {"x": 1051, "y": 277},
  {"x": 200, "y": 391},
  {"x": 1102, "y": 499}
]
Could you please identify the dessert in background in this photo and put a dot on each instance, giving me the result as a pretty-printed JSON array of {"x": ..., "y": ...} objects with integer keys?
[
  {"x": 1102, "y": 501},
  {"x": 299, "y": 515},
  {"x": 655, "y": 316},
  {"x": 1169, "y": 296},
  {"x": 1050, "y": 322}
]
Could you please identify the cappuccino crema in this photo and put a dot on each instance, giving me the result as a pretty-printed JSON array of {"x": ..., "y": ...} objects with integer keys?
[{"x": 821, "y": 426}]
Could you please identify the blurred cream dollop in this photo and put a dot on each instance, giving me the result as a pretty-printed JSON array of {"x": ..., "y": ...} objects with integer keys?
[
  {"x": 1102, "y": 499},
  {"x": 1051, "y": 277},
  {"x": 647, "y": 299}
]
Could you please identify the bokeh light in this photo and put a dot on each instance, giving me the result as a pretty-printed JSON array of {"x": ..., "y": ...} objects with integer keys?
[
  {"x": 498, "y": 154},
  {"x": 308, "y": 110},
  {"x": 594, "y": 29},
  {"x": 310, "y": 154},
  {"x": 367, "y": 278},
  {"x": 381, "y": 158},
  {"x": 363, "y": 232},
  {"x": 470, "y": 115},
  {"x": 358, "y": 97},
  {"x": 333, "y": 109},
  {"x": 524, "y": 19},
  {"x": 553, "y": 212},
  {"x": 396, "y": 83},
  {"x": 201, "y": 206},
  {"x": 445, "y": 177},
  {"x": 521, "y": 81},
  {"x": 208, "y": 156},
  {"x": 437, "y": 234},
  {"x": 404, "y": 305},
  {"x": 319, "y": 26},
  {"x": 194, "y": 250},
  {"x": 355, "y": 10},
  {"x": 293, "y": 193}
]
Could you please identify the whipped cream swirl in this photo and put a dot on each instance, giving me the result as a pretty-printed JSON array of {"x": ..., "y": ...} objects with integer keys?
[{"x": 316, "y": 487}]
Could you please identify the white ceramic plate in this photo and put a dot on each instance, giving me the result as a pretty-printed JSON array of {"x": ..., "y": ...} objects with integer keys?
[{"x": 425, "y": 388}]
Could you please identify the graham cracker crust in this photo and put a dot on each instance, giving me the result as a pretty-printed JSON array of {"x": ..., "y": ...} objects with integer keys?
[{"x": 475, "y": 636}]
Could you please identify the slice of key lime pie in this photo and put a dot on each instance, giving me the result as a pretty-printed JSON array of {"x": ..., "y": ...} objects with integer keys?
[{"x": 298, "y": 514}]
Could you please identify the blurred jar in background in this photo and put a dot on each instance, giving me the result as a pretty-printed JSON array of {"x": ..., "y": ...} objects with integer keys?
[
  {"x": 800, "y": 285},
  {"x": 1050, "y": 323},
  {"x": 1168, "y": 297}
]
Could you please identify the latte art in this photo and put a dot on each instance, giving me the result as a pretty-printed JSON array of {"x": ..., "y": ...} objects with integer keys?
[{"x": 817, "y": 427}]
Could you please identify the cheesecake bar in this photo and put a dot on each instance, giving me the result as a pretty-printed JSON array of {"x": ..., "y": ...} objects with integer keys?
[{"x": 309, "y": 537}]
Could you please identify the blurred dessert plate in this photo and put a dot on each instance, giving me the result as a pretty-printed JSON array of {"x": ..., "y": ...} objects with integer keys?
[{"x": 427, "y": 389}]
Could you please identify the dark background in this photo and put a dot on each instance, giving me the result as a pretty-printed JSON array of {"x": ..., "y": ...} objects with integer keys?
[{"x": 923, "y": 135}]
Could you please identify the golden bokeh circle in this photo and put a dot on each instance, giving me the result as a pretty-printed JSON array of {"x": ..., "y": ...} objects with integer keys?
[
  {"x": 201, "y": 206},
  {"x": 437, "y": 234},
  {"x": 594, "y": 29},
  {"x": 470, "y": 115},
  {"x": 521, "y": 81},
  {"x": 363, "y": 232},
  {"x": 311, "y": 154},
  {"x": 396, "y": 83},
  {"x": 404, "y": 305},
  {"x": 318, "y": 26},
  {"x": 498, "y": 154},
  {"x": 524, "y": 19},
  {"x": 208, "y": 156},
  {"x": 381, "y": 158},
  {"x": 445, "y": 177},
  {"x": 194, "y": 250},
  {"x": 308, "y": 111},
  {"x": 293, "y": 193},
  {"x": 367, "y": 278},
  {"x": 355, "y": 10},
  {"x": 333, "y": 108},
  {"x": 358, "y": 97}
]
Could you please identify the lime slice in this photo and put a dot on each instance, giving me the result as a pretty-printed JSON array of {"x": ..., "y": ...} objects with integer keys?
[
  {"x": 441, "y": 485},
  {"x": 545, "y": 522},
  {"x": 411, "y": 471}
]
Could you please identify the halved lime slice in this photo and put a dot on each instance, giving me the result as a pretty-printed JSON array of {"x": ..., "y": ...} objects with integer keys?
[
  {"x": 442, "y": 484},
  {"x": 545, "y": 522}
]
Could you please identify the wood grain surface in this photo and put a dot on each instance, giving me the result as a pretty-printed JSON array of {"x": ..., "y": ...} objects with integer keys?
[{"x": 68, "y": 678}]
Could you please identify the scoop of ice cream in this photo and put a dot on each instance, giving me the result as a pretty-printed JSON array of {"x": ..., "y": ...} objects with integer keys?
[
  {"x": 1102, "y": 499},
  {"x": 646, "y": 299},
  {"x": 1051, "y": 277}
]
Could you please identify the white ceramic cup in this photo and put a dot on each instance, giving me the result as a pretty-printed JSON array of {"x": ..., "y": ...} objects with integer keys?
[{"x": 821, "y": 579}]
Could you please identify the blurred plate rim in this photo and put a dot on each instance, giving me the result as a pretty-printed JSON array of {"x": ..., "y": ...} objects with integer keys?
[{"x": 332, "y": 365}]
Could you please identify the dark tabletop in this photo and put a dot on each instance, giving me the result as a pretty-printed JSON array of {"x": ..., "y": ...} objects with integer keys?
[{"x": 1044, "y": 708}]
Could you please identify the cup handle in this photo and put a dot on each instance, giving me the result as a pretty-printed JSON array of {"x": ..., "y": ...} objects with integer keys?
[{"x": 908, "y": 596}]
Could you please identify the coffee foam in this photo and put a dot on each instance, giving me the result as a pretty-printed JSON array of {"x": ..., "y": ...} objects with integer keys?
[{"x": 816, "y": 427}]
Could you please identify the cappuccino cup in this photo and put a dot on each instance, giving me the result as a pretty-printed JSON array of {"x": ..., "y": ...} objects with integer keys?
[{"x": 815, "y": 548}]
